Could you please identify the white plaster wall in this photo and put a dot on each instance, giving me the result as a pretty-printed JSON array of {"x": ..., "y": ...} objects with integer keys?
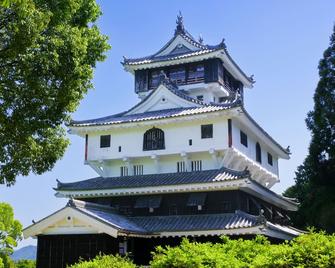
[
  {"x": 250, "y": 151},
  {"x": 176, "y": 140},
  {"x": 176, "y": 144}
]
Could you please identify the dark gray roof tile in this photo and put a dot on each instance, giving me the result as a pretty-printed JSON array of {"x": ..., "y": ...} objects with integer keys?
[{"x": 101, "y": 183}]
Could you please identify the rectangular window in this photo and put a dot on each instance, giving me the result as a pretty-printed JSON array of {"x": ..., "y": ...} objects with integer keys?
[
  {"x": 154, "y": 79},
  {"x": 244, "y": 138},
  {"x": 138, "y": 169},
  {"x": 270, "y": 159},
  {"x": 190, "y": 142},
  {"x": 200, "y": 97},
  {"x": 178, "y": 75},
  {"x": 119, "y": 149},
  {"x": 105, "y": 141},
  {"x": 221, "y": 99},
  {"x": 206, "y": 131},
  {"x": 181, "y": 167},
  {"x": 196, "y": 165},
  {"x": 196, "y": 73},
  {"x": 123, "y": 171}
]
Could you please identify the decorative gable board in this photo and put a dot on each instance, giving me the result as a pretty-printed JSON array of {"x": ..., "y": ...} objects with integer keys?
[
  {"x": 162, "y": 99},
  {"x": 178, "y": 42},
  {"x": 69, "y": 221}
]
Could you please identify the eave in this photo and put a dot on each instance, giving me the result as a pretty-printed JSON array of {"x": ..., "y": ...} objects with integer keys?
[
  {"x": 196, "y": 56},
  {"x": 246, "y": 185}
]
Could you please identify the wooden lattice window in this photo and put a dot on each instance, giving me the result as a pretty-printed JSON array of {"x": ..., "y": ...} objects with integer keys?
[
  {"x": 258, "y": 153},
  {"x": 153, "y": 139}
]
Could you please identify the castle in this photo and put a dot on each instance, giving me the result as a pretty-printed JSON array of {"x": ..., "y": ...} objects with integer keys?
[{"x": 186, "y": 161}]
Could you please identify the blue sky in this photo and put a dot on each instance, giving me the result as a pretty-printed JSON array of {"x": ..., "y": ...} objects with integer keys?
[{"x": 280, "y": 42}]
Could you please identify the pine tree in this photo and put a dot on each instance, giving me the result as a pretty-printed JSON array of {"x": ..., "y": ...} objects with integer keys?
[{"x": 315, "y": 178}]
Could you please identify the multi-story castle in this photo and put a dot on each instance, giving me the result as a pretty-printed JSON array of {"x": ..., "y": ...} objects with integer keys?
[{"x": 186, "y": 161}]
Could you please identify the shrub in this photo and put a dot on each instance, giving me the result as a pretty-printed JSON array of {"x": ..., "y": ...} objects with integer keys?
[
  {"x": 308, "y": 250},
  {"x": 105, "y": 261},
  {"x": 25, "y": 264}
]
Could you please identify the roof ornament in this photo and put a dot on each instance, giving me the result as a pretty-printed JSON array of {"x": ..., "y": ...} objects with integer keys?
[
  {"x": 252, "y": 79},
  {"x": 200, "y": 40},
  {"x": 180, "y": 25},
  {"x": 288, "y": 149},
  {"x": 223, "y": 44}
]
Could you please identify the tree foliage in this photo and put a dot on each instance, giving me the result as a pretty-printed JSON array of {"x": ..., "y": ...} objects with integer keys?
[
  {"x": 25, "y": 264},
  {"x": 310, "y": 250},
  {"x": 315, "y": 178},
  {"x": 48, "y": 50},
  {"x": 107, "y": 261},
  {"x": 10, "y": 233}
]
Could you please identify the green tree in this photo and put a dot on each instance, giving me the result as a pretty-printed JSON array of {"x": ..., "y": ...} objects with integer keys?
[
  {"x": 315, "y": 178},
  {"x": 10, "y": 233},
  {"x": 25, "y": 264},
  {"x": 48, "y": 50},
  {"x": 106, "y": 261}
]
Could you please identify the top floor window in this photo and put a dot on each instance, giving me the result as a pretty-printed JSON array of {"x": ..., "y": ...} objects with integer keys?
[
  {"x": 154, "y": 79},
  {"x": 196, "y": 73},
  {"x": 153, "y": 139},
  {"x": 178, "y": 75},
  {"x": 105, "y": 141},
  {"x": 206, "y": 131},
  {"x": 258, "y": 153}
]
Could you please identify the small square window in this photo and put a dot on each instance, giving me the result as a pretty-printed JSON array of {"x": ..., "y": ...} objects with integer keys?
[
  {"x": 221, "y": 99},
  {"x": 206, "y": 131},
  {"x": 244, "y": 138},
  {"x": 270, "y": 159},
  {"x": 105, "y": 141},
  {"x": 200, "y": 97}
]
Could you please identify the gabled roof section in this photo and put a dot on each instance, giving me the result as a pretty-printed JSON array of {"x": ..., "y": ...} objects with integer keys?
[
  {"x": 183, "y": 47},
  {"x": 166, "y": 101},
  {"x": 102, "y": 219}
]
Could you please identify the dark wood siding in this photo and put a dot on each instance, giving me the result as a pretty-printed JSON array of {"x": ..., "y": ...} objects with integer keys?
[{"x": 58, "y": 251}]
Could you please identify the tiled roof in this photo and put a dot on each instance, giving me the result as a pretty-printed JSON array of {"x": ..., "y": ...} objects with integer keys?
[
  {"x": 155, "y": 224},
  {"x": 125, "y": 117},
  {"x": 196, "y": 222},
  {"x": 201, "y": 49},
  {"x": 106, "y": 215},
  {"x": 151, "y": 180},
  {"x": 168, "y": 57}
]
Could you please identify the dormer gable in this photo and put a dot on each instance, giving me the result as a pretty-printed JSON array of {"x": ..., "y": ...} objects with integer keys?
[{"x": 163, "y": 98}]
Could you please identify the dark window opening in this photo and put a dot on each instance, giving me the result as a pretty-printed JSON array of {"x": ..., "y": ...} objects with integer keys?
[
  {"x": 226, "y": 206},
  {"x": 190, "y": 142},
  {"x": 222, "y": 99},
  {"x": 138, "y": 169},
  {"x": 154, "y": 79},
  {"x": 200, "y": 97},
  {"x": 258, "y": 153},
  {"x": 105, "y": 141},
  {"x": 244, "y": 138},
  {"x": 206, "y": 131},
  {"x": 196, "y": 165},
  {"x": 196, "y": 73},
  {"x": 181, "y": 167},
  {"x": 119, "y": 148},
  {"x": 178, "y": 75},
  {"x": 123, "y": 171},
  {"x": 270, "y": 159},
  {"x": 153, "y": 139}
]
